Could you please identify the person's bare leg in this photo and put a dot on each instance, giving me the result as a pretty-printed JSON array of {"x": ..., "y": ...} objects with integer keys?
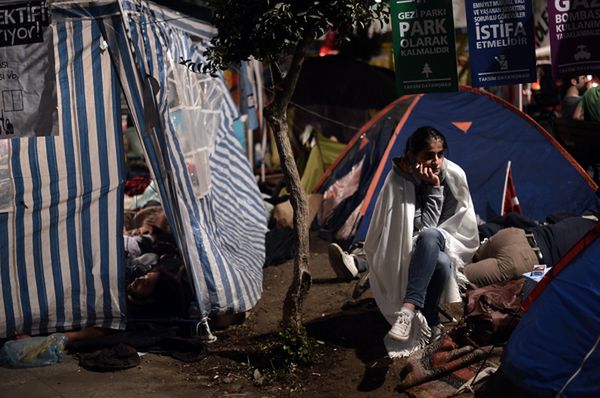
[{"x": 87, "y": 333}]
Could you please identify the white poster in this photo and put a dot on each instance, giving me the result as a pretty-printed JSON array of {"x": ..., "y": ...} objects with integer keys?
[{"x": 28, "y": 105}]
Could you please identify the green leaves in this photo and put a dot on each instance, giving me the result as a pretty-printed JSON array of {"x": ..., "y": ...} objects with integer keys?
[
  {"x": 289, "y": 350},
  {"x": 268, "y": 29}
]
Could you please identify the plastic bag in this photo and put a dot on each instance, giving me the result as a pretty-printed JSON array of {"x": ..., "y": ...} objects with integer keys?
[{"x": 34, "y": 351}]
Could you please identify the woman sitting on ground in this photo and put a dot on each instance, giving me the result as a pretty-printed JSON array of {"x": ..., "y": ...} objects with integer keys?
[{"x": 423, "y": 230}]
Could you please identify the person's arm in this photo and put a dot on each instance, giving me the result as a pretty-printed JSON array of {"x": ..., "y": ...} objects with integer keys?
[
  {"x": 431, "y": 210},
  {"x": 431, "y": 197},
  {"x": 578, "y": 114}
]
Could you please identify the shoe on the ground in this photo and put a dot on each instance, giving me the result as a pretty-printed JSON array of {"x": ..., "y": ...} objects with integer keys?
[
  {"x": 400, "y": 330},
  {"x": 361, "y": 286},
  {"x": 342, "y": 262},
  {"x": 436, "y": 333}
]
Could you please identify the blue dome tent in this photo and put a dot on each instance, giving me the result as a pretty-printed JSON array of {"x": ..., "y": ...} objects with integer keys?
[
  {"x": 555, "y": 349},
  {"x": 484, "y": 133}
]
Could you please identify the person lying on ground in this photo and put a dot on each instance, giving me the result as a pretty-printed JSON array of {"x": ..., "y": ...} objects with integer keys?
[
  {"x": 154, "y": 295},
  {"x": 150, "y": 220},
  {"x": 151, "y": 234},
  {"x": 514, "y": 250},
  {"x": 423, "y": 230},
  {"x": 157, "y": 294}
]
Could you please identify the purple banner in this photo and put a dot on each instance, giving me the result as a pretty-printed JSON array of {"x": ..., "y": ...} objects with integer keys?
[{"x": 574, "y": 37}]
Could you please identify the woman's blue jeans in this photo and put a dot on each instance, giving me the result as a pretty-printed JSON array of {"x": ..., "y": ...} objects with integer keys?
[{"x": 428, "y": 274}]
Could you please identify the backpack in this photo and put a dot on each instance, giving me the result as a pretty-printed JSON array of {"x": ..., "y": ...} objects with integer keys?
[{"x": 492, "y": 312}]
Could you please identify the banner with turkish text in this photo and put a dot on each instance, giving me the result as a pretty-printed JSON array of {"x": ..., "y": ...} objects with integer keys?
[
  {"x": 28, "y": 104},
  {"x": 424, "y": 46},
  {"x": 574, "y": 37},
  {"x": 501, "y": 42}
]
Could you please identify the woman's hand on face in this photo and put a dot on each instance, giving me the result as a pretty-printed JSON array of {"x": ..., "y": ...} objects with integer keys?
[{"x": 426, "y": 175}]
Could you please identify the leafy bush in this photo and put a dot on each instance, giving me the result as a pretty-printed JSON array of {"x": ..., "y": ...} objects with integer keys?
[{"x": 289, "y": 350}]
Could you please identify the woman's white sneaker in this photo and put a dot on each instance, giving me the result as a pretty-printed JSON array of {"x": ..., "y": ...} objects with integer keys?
[{"x": 400, "y": 330}]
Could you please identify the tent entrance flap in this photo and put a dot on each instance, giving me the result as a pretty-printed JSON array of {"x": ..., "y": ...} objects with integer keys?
[{"x": 67, "y": 223}]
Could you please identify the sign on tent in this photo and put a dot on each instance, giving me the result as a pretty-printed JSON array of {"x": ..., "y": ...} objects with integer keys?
[{"x": 28, "y": 105}]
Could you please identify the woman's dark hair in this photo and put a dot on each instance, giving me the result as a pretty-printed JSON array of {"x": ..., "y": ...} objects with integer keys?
[
  {"x": 422, "y": 138},
  {"x": 166, "y": 299},
  {"x": 167, "y": 295}
]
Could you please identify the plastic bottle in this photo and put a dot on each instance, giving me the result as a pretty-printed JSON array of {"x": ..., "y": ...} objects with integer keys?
[{"x": 34, "y": 351}]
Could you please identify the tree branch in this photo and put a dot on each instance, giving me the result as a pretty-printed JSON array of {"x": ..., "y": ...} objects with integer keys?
[
  {"x": 284, "y": 85},
  {"x": 276, "y": 75},
  {"x": 291, "y": 78}
]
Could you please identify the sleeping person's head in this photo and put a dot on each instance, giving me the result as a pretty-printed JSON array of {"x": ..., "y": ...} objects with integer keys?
[
  {"x": 150, "y": 220},
  {"x": 157, "y": 291}
]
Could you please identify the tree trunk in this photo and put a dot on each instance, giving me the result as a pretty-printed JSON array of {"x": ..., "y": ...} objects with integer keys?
[
  {"x": 276, "y": 115},
  {"x": 292, "y": 308}
]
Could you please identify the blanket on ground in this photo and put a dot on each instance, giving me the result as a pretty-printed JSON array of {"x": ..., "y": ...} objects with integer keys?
[{"x": 439, "y": 369}]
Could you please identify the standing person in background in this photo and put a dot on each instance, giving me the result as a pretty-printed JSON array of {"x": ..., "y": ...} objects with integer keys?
[
  {"x": 572, "y": 96},
  {"x": 422, "y": 232},
  {"x": 589, "y": 106}
]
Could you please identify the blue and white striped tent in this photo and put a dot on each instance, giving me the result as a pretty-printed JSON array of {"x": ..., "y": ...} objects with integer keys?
[{"x": 61, "y": 245}]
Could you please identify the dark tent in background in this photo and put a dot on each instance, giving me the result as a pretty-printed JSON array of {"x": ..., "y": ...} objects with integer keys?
[
  {"x": 336, "y": 80},
  {"x": 483, "y": 134},
  {"x": 337, "y": 95}
]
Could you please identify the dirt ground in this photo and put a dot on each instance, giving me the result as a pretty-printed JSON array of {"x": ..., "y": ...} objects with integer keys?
[{"x": 351, "y": 362}]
